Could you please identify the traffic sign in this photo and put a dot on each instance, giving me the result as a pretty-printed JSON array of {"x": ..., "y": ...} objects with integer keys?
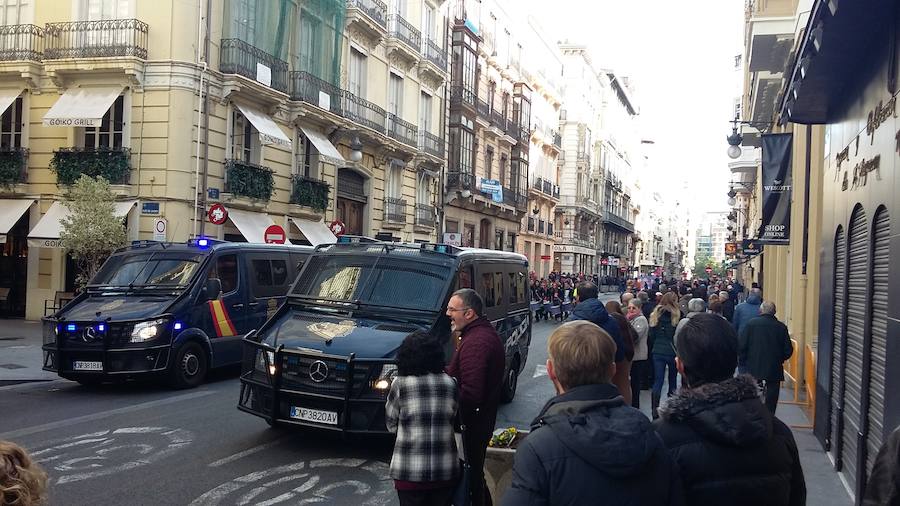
[
  {"x": 337, "y": 228},
  {"x": 274, "y": 235},
  {"x": 159, "y": 229},
  {"x": 217, "y": 214}
]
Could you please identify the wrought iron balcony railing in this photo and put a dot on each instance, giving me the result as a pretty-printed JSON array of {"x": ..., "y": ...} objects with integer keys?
[
  {"x": 618, "y": 221},
  {"x": 460, "y": 94},
  {"x": 308, "y": 88},
  {"x": 483, "y": 108},
  {"x": 13, "y": 166},
  {"x": 402, "y": 30},
  {"x": 96, "y": 39},
  {"x": 557, "y": 139},
  {"x": 461, "y": 180},
  {"x": 21, "y": 42},
  {"x": 433, "y": 53},
  {"x": 509, "y": 196},
  {"x": 499, "y": 120},
  {"x": 375, "y": 9},
  {"x": 401, "y": 130},
  {"x": 309, "y": 192},
  {"x": 113, "y": 164},
  {"x": 249, "y": 180},
  {"x": 241, "y": 58},
  {"x": 394, "y": 210},
  {"x": 431, "y": 144},
  {"x": 425, "y": 215},
  {"x": 363, "y": 112}
]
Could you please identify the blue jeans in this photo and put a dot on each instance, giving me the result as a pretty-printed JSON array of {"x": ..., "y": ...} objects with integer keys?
[{"x": 660, "y": 362}]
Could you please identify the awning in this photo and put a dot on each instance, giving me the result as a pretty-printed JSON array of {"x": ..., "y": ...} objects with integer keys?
[
  {"x": 316, "y": 232},
  {"x": 322, "y": 144},
  {"x": 251, "y": 225},
  {"x": 82, "y": 107},
  {"x": 46, "y": 233},
  {"x": 7, "y": 97},
  {"x": 269, "y": 132},
  {"x": 10, "y": 213}
]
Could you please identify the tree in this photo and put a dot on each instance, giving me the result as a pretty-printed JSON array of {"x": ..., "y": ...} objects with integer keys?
[
  {"x": 91, "y": 231},
  {"x": 704, "y": 261}
]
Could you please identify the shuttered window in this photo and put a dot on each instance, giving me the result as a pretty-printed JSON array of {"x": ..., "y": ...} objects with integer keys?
[
  {"x": 840, "y": 284},
  {"x": 881, "y": 232},
  {"x": 857, "y": 302}
]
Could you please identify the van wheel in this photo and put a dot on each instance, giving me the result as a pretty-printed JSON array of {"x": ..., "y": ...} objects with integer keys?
[
  {"x": 511, "y": 382},
  {"x": 189, "y": 367}
]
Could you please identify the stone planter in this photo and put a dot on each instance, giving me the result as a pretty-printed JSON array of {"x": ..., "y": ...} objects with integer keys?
[{"x": 498, "y": 464}]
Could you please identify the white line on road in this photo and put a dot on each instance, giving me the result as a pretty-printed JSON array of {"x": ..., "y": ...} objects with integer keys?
[
  {"x": 250, "y": 451},
  {"x": 540, "y": 370},
  {"x": 13, "y": 435}
]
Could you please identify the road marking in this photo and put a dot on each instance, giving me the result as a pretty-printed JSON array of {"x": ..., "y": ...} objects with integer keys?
[
  {"x": 540, "y": 370},
  {"x": 250, "y": 451},
  {"x": 16, "y": 434}
]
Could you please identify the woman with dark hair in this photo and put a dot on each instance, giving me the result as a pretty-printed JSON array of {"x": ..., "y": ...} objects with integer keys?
[
  {"x": 420, "y": 408},
  {"x": 663, "y": 321},
  {"x": 629, "y": 336}
]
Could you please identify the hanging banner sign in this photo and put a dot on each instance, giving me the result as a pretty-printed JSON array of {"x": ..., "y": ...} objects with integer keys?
[
  {"x": 777, "y": 184},
  {"x": 493, "y": 188}
]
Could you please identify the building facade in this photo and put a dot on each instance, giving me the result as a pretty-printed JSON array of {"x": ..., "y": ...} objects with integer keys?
[{"x": 296, "y": 113}]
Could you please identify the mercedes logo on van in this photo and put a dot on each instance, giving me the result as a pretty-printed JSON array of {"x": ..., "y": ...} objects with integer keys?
[
  {"x": 318, "y": 371},
  {"x": 89, "y": 335}
]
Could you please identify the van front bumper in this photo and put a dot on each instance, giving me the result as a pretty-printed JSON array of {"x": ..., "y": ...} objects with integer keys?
[{"x": 70, "y": 363}]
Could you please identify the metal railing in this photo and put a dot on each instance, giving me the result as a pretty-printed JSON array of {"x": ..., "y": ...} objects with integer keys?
[
  {"x": 401, "y": 130},
  {"x": 309, "y": 192},
  {"x": 509, "y": 196},
  {"x": 483, "y": 108},
  {"x": 394, "y": 210},
  {"x": 241, "y": 58},
  {"x": 21, "y": 42},
  {"x": 95, "y": 39},
  {"x": 308, "y": 88},
  {"x": 499, "y": 120},
  {"x": 249, "y": 179},
  {"x": 461, "y": 180},
  {"x": 13, "y": 166},
  {"x": 618, "y": 221},
  {"x": 402, "y": 30},
  {"x": 114, "y": 164},
  {"x": 433, "y": 53},
  {"x": 460, "y": 94},
  {"x": 425, "y": 215},
  {"x": 431, "y": 144},
  {"x": 557, "y": 139},
  {"x": 363, "y": 112},
  {"x": 375, "y": 9}
]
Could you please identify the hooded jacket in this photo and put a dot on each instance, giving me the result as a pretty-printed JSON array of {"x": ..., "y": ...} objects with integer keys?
[
  {"x": 593, "y": 311},
  {"x": 729, "y": 449},
  {"x": 745, "y": 311},
  {"x": 586, "y": 444}
]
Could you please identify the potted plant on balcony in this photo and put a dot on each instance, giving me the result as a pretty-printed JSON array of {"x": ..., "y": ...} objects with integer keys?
[
  {"x": 114, "y": 165},
  {"x": 12, "y": 165},
  {"x": 253, "y": 182}
]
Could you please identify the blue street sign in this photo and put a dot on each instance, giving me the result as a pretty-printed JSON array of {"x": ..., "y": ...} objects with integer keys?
[{"x": 150, "y": 208}]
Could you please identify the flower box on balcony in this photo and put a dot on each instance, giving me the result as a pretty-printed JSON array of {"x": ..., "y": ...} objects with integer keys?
[
  {"x": 245, "y": 179},
  {"x": 308, "y": 192},
  {"x": 13, "y": 164},
  {"x": 113, "y": 164}
]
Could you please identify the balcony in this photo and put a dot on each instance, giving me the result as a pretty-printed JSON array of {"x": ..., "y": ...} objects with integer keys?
[
  {"x": 431, "y": 144},
  {"x": 113, "y": 164},
  {"x": 96, "y": 39},
  {"x": 618, "y": 221},
  {"x": 369, "y": 17},
  {"x": 461, "y": 95},
  {"x": 425, "y": 215},
  {"x": 239, "y": 57},
  {"x": 21, "y": 43},
  {"x": 394, "y": 210},
  {"x": 545, "y": 188},
  {"x": 308, "y": 88},
  {"x": 404, "y": 39},
  {"x": 557, "y": 140},
  {"x": 13, "y": 167},
  {"x": 460, "y": 181},
  {"x": 514, "y": 198},
  {"x": 401, "y": 130},
  {"x": 309, "y": 192},
  {"x": 363, "y": 112},
  {"x": 245, "y": 179},
  {"x": 433, "y": 65}
]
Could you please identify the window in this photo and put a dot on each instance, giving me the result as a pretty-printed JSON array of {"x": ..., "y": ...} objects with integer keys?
[
  {"x": 492, "y": 90},
  {"x": 503, "y": 163},
  {"x": 464, "y": 278},
  {"x": 400, "y": 7},
  {"x": 513, "y": 288},
  {"x": 423, "y": 189},
  {"x": 469, "y": 235},
  {"x": 395, "y": 180},
  {"x": 395, "y": 95},
  {"x": 498, "y": 239},
  {"x": 244, "y": 139},
  {"x": 488, "y": 290},
  {"x": 521, "y": 286},
  {"x": 357, "y": 75},
  {"x": 95, "y": 10},
  {"x": 306, "y": 159},
  {"x": 269, "y": 277},
  {"x": 462, "y": 145},
  {"x": 11, "y": 126},
  {"x": 427, "y": 23},
  {"x": 15, "y": 12},
  {"x": 425, "y": 110},
  {"x": 498, "y": 288},
  {"x": 488, "y": 163},
  {"x": 110, "y": 132},
  {"x": 243, "y": 18},
  {"x": 226, "y": 269},
  {"x": 464, "y": 62},
  {"x": 452, "y": 227},
  {"x": 309, "y": 44}
]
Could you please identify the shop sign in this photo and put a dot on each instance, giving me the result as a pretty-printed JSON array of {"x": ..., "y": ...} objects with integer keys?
[
  {"x": 776, "y": 189},
  {"x": 453, "y": 238},
  {"x": 730, "y": 248},
  {"x": 545, "y": 257},
  {"x": 44, "y": 243},
  {"x": 749, "y": 247},
  {"x": 571, "y": 248},
  {"x": 212, "y": 193}
]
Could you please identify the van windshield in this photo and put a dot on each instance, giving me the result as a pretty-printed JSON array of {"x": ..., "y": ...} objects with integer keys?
[
  {"x": 147, "y": 270},
  {"x": 375, "y": 281}
]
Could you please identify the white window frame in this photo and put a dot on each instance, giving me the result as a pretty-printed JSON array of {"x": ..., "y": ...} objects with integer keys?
[
  {"x": 426, "y": 102},
  {"x": 356, "y": 75},
  {"x": 96, "y": 10},
  {"x": 248, "y": 133},
  {"x": 306, "y": 156},
  {"x": 428, "y": 15},
  {"x": 16, "y": 132},
  {"x": 395, "y": 94},
  {"x": 22, "y": 12},
  {"x": 97, "y": 131},
  {"x": 394, "y": 187},
  {"x": 423, "y": 188}
]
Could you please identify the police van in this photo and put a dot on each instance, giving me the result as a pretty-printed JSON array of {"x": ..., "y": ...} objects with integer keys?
[
  {"x": 169, "y": 310},
  {"x": 326, "y": 359}
]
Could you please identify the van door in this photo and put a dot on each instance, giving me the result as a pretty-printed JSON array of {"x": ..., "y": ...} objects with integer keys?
[
  {"x": 270, "y": 279},
  {"x": 228, "y": 315}
]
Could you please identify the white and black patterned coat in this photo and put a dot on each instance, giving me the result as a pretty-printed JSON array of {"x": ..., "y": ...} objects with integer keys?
[{"x": 420, "y": 410}]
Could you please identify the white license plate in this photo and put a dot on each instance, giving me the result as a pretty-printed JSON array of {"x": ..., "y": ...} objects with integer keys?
[
  {"x": 314, "y": 415},
  {"x": 81, "y": 365}
]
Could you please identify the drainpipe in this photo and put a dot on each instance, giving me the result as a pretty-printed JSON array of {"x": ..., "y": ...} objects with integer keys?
[
  {"x": 445, "y": 130},
  {"x": 804, "y": 279},
  {"x": 205, "y": 119}
]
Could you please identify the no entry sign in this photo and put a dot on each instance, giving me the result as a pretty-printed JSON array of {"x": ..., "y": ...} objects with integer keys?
[
  {"x": 274, "y": 235},
  {"x": 217, "y": 214}
]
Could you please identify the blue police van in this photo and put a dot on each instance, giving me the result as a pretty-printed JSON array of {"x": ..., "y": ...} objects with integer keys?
[
  {"x": 326, "y": 359},
  {"x": 169, "y": 310}
]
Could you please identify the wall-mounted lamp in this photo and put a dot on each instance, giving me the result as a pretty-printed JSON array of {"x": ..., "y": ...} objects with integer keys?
[
  {"x": 535, "y": 211},
  {"x": 465, "y": 194},
  {"x": 356, "y": 148}
]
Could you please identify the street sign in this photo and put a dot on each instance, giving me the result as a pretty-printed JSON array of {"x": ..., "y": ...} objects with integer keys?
[
  {"x": 337, "y": 228},
  {"x": 159, "y": 229},
  {"x": 708, "y": 270},
  {"x": 730, "y": 248},
  {"x": 212, "y": 193},
  {"x": 274, "y": 235},
  {"x": 217, "y": 214},
  {"x": 151, "y": 208}
]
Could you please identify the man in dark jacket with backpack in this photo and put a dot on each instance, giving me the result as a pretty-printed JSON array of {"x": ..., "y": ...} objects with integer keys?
[
  {"x": 586, "y": 446},
  {"x": 591, "y": 309}
]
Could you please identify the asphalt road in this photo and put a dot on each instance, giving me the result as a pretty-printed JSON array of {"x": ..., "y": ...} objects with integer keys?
[{"x": 146, "y": 444}]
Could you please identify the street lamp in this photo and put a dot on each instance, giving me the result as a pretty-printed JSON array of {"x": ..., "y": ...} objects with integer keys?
[
  {"x": 735, "y": 139},
  {"x": 731, "y": 197}
]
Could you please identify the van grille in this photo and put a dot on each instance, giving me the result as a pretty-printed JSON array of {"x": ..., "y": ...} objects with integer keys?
[{"x": 296, "y": 376}]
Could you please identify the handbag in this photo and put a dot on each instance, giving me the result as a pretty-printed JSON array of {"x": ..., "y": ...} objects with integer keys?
[{"x": 462, "y": 495}]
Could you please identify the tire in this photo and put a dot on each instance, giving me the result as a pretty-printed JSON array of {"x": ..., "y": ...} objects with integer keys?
[
  {"x": 510, "y": 382},
  {"x": 190, "y": 366}
]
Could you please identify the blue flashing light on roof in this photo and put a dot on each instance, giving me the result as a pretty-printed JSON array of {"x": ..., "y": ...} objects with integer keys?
[
  {"x": 70, "y": 327},
  {"x": 344, "y": 239},
  {"x": 440, "y": 248},
  {"x": 203, "y": 242},
  {"x": 101, "y": 327}
]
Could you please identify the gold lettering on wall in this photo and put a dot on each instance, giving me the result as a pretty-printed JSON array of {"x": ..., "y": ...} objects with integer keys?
[
  {"x": 879, "y": 115},
  {"x": 861, "y": 173}
]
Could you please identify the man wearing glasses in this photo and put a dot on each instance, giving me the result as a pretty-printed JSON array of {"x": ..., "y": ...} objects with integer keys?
[{"x": 477, "y": 366}]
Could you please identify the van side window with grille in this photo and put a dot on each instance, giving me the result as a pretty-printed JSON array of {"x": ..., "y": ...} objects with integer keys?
[
  {"x": 464, "y": 278},
  {"x": 513, "y": 288},
  {"x": 269, "y": 277},
  {"x": 498, "y": 289},
  {"x": 487, "y": 289},
  {"x": 226, "y": 269}
]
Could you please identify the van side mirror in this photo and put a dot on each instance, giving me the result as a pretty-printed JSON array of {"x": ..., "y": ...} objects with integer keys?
[{"x": 212, "y": 289}]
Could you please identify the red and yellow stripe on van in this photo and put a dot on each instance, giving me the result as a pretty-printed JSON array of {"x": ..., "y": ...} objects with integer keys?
[{"x": 221, "y": 320}]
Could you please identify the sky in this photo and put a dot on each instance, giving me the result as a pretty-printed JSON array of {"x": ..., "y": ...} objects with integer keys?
[{"x": 680, "y": 58}]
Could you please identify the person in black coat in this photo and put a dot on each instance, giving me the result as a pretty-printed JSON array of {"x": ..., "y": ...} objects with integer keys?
[
  {"x": 883, "y": 487},
  {"x": 586, "y": 446},
  {"x": 764, "y": 345},
  {"x": 729, "y": 448}
]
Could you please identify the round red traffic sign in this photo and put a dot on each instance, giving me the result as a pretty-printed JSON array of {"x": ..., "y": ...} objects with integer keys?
[
  {"x": 337, "y": 228},
  {"x": 217, "y": 214},
  {"x": 274, "y": 235}
]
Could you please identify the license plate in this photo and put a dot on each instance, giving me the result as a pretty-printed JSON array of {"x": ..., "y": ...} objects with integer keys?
[
  {"x": 314, "y": 415},
  {"x": 81, "y": 365}
]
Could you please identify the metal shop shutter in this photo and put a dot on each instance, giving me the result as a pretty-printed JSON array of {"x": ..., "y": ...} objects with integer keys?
[
  {"x": 880, "y": 272},
  {"x": 837, "y": 339},
  {"x": 857, "y": 300}
]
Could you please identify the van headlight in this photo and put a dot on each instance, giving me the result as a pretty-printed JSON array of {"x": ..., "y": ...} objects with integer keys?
[
  {"x": 145, "y": 331},
  {"x": 388, "y": 373},
  {"x": 261, "y": 362}
]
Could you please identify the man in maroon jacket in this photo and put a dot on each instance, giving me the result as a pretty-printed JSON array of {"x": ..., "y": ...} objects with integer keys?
[{"x": 477, "y": 366}]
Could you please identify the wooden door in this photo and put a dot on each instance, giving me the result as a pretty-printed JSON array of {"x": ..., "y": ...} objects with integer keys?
[{"x": 351, "y": 213}]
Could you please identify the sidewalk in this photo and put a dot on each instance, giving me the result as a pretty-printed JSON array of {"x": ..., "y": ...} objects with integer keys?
[{"x": 20, "y": 353}]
